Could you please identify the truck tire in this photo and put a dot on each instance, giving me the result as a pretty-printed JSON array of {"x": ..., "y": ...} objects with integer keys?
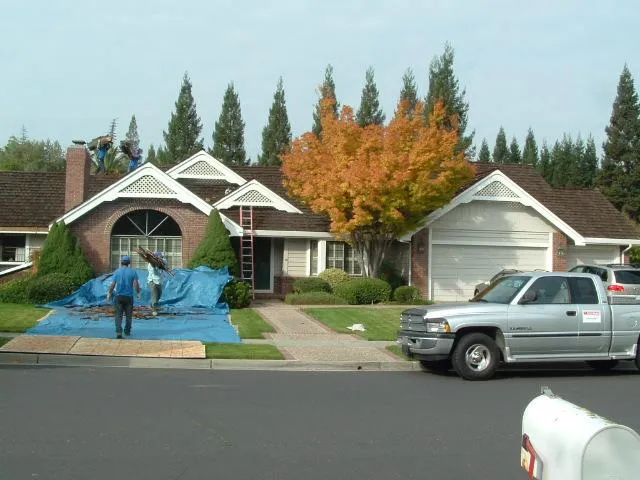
[
  {"x": 602, "y": 365},
  {"x": 476, "y": 357},
  {"x": 435, "y": 366}
]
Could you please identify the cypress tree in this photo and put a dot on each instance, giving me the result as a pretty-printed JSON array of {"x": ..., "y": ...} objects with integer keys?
[
  {"x": 619, "y": 178},
  {"x": 228, "y": 134},
  {"x": 61, "y": 253},
  {"x": 444, "y": 86},
  {"x": 544, "y": 166},
  {"x": 369, "y": 112},
  {"x": 485, "y": 155},
  {"x": 151, "y": 155},
  {"x": 183, "y": 132},
  {"x": 530, "y": 150},
  {"x": 276, "y": 136},
  {"x": 327, "y": 90},
  {"x": 500, "y": 150},
  {"x": 514, "y": 151},
  {"x": 215, "y": 250},
  {"x": 132, "y": 133},
  {"x": 409, "y": 92},
  {"x": 588, "y": 164}
]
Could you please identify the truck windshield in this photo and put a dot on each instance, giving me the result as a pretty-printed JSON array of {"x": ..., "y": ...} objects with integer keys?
[{"x": 503, "y": 290}]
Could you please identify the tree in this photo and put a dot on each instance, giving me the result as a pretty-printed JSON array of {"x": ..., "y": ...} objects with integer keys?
[
  {"x": 370, "y": 112},
  {"x": 276, "y": 136},
  {"x": 378, "y": 182},
  {"x": 544, "y": 166},
  {"x": 500, "y": 150},
  {"x": 327, "y": 91},
  {"x": 183, "y": 132},
  {"x": 228, "y": 134},
  {"x": 409, "y": 92},
  {"x": 514, "y": 152},
  {"x": 215, "y": 250},
  {"x": 24, "y": 154},
  {"x": 132, "y": 133},
  {"x": 564, "y": 162},
  {"x": 61, "y": 253},
  {"x": 151, "y": 155},
  {"x": 588, "y": 165},
  {"x": 444, "y": 86},
  {"x": 619, "y": 178},
  {"x": 163, "y": 157},
  {"x": 530, "y": 150},
  {"x": 484, "y": 156}
]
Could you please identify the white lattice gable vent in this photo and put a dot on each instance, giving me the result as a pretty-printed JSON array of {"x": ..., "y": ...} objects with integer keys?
[
  {"x": 496, "y": 189},
  {"x": 203, "y": 166},
  {"x": 255, "y": 194},
  {"x": 147, "y": 186}
]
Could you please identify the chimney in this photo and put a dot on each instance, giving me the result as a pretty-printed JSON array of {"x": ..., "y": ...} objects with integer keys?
[{"x": 77, "y": 176}]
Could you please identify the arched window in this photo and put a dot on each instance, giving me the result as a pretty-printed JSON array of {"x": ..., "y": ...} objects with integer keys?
[{"x": 153, "y": 230}]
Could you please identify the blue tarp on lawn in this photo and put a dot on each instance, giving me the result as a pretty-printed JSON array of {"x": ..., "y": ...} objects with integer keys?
[{"x": 189, "y": 309}]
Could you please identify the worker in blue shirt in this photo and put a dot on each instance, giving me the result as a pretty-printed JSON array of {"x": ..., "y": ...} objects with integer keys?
[
  {"x": 134, "y": 162},
  {"x": 125, "y": 281}
]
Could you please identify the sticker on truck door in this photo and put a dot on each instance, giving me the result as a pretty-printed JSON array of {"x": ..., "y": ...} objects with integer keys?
[{"x": 591, "y": 316}]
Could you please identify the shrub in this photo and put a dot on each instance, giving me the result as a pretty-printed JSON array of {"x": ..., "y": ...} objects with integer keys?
[
  {"x": 311, "y": 284},
  {"x": 334, "y": 276},
  {"x": 215, "y": 250},
  {"x": 46, "y": 288},
  {"x": 389, "y": 274},
  {"x": 237, "y": 294},
  {"x": 362, "y": 291},
  {"x": 406, "y": 293},
  {"x": 61, "y": 253},
  {"x": 314, "y": 298},
  {"x": 15, "y": 291}
]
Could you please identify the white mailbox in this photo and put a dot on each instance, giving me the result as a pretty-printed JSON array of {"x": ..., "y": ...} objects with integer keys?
[{"x": 561, "y": 441}]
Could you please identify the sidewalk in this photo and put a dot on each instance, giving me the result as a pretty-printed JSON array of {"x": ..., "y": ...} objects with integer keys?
[{"x": 305, "y": 343}]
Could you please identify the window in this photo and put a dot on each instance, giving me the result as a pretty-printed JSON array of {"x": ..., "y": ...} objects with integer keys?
[
  {"x": 630, "y": 277},
  {"x": 584, "y": 291},
  {"x": 341, "y": 255},
  {"x": 550, "y": 290},
  {"x": 313, "y": 247}
]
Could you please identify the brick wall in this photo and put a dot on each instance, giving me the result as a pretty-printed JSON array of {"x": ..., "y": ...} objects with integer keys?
[
  {"x": 559, "y": 246},
  {"x": 283, "y": 285},
  {"x": 78, "y": 170},
  {"x": 94, "y": 229},
  {"x": 419, "y": 258}
]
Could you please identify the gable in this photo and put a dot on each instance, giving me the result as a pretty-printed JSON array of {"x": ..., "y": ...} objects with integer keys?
[
  {"x": 203, "y": 166},
  {"x": 255, "y": 194}
]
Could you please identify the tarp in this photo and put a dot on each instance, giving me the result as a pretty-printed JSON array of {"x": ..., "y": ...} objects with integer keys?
[{"x": 189, "y": 309}]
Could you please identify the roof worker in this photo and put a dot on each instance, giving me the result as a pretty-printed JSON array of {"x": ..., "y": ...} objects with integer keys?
[
  {"x": 125, "y": 281},
  {"x": 134, "y": 162},
  {"x": 101, "y": 145},
  {"x": 155, "y": 282}
]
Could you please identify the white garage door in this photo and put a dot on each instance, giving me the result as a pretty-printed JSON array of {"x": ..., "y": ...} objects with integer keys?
[
  {"x": 457, "y": 269},
  {"x": 602, "y": 254}
]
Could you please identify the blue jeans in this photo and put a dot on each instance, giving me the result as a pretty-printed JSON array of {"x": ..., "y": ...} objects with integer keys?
[
  {"x": 156, "y": 292},
  {"x": 124, "y": 304}
]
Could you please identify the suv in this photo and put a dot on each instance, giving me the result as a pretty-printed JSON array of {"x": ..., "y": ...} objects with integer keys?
[{"x": 618, "y": 278}]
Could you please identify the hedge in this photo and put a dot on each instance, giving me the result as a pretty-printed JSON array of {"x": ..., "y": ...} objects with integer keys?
[
  {"x": 314, "y": 298},
  {"x": 335, "y": 276},
  {"x": 406, "y": 293},
  {"x": 311, "y": 284},
  {"x": 363, "y": 291}
]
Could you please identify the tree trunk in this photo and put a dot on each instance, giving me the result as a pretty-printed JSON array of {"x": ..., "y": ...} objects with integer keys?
[{"x": 371, "y": 250}]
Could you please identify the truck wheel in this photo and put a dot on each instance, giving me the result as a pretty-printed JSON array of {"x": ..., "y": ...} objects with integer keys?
[
  {"x": 435, "y": 366},
  {"x": 602, "y": 365},
  {"x": 476, "y": 357}
]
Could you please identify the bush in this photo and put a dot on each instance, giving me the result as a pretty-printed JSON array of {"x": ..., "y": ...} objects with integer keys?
[
  {"x": 314, "y": 298},
  {"x": 61, "y": 253},
  {"x": 311, "y": 284},
  {"x": 46, "y": 288},
  {"x": 363, "y": 291},
  {"x": 406, "y": 293},
  {"x": 237, "y": 294},
  {"x": 334, "y": 276},
  {"x": 389, "y": 274},
  {"x": 15, "y": 291},
  {"x": 215, "y": 250}
]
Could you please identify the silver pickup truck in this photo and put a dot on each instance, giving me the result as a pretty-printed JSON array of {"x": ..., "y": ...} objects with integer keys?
[{"x": 525, "y": 317}]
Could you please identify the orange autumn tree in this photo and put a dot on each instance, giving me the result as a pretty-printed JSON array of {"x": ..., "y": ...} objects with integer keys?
[{"x": 376, "y": 183}]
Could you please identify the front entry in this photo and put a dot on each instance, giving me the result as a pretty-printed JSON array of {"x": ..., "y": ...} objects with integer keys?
[{"x": 262, "y": 263}]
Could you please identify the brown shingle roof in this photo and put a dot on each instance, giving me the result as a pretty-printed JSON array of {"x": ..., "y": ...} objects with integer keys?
[{"x": 31, "y": 199}]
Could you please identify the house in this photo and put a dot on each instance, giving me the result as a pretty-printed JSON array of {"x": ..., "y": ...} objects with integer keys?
[{"x": 508, "y": 217}]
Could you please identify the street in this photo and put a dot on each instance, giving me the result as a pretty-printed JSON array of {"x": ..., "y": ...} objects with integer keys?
[{"x": 106, "y": 423}]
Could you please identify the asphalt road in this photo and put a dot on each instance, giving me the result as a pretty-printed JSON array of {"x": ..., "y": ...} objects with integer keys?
[{"x": 106, "y": 423}]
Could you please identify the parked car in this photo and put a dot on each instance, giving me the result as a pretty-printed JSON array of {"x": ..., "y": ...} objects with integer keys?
[
  {"x": 620, "y": 278},
  {"x": 525, "y": 317},
  {"x": 502, "y": 273}
]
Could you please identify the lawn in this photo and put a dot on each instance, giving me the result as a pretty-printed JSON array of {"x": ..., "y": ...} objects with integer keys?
[
  {"x": 19, "y": 318},
  {"x": 250, "y": 324},
  {"x": 245, "y": 352},
  {"x": 4, "y": 340},
  {"x": 380, "y": 323},
  {"x": 397, "y": 350}
]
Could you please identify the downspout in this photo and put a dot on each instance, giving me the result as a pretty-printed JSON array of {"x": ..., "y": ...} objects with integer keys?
[{"x": 623, "y": 252}]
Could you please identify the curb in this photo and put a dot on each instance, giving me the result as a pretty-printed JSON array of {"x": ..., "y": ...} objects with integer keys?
[{"x": 57, "y": 360}]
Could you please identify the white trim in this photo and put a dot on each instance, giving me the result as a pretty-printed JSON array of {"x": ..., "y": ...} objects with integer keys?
[
  {"x": 17, "y": 268},
  {"x": 225, "y": 172},
  {"x": 322, "y": 255},
  {"x": 235, "y": 230},
  {"x": 115, "y": 191},
  {"x": 26, "y": 232},
  {"x": 308, "y": 259},
  {"x": 523, "y": 197},
  {"x": 549, "y": 260},
  {"x": 233, "y": 199},
  {"x": 429, "y": 262},
  {"x": 293, "y": 234},
  {"x": 612, "y": 241}
]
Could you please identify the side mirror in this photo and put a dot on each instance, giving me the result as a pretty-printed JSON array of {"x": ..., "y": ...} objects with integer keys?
[{"x": 528, "y": 297}]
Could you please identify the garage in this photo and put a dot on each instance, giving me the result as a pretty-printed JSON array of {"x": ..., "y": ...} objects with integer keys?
[
  {"x": 590, "y": 254},
  {"x": 457, "y": 269}
]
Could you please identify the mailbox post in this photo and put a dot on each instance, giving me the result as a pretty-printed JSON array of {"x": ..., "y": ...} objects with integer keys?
[{"x": 561, "y": 441}]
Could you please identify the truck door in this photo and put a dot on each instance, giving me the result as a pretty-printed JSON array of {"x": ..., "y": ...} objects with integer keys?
[
  {"x": 594, "y": 320},
  {"x": 547, "y": 324}
]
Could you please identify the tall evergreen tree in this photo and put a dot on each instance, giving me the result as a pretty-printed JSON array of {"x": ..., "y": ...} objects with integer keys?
[
  {"x": 327, "y": 90},
  {"x": 228, "y": 134},
  {"x": 485, "y": 155},
  {"x": 500, "y": 150},
  {"x": 544, "y": 166},
  {"x": 215, "y": 249},
  {"x": 132, "y": 132},
  {"x": 370, "y": 112},
  {"x": 163, "y": 157},
  {"x": 619, "y": 178},
  {"x": 588, "y": 164},
  {"x": 276, "y": 136},
  {"x": 182, "y": 135},
  {"x": 409, "y": 92},
  {"x": 444, "y": 86},
  {"x": 514, "y": 151},
  {"x": 565, "y": 158},
  {"x": 151, "y": 155},
  {"x": 530, "y": 150}
]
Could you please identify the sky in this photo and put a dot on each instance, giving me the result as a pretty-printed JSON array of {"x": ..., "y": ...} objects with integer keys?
[{"x": 68, "y": 67}]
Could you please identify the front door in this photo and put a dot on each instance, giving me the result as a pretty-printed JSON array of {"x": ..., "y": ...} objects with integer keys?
[{"x": 262, "y": 263}]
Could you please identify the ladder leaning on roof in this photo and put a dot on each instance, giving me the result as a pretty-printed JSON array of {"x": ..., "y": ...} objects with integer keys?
[{"x": 246, "y": 246}]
